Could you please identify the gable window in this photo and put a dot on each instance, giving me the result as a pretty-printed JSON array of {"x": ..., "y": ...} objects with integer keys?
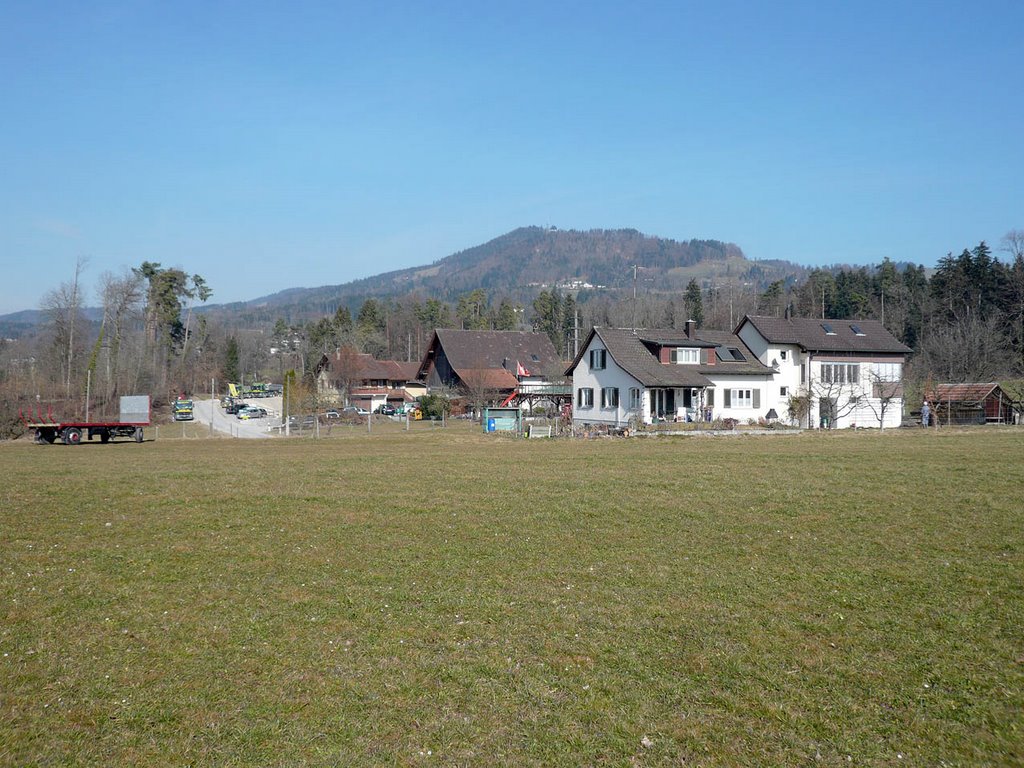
[
  {"x": 685, "y": 356},
  {"x": 597, "y": 359},
  {"x": 610, "y": 397},
  {"x": 840, "y": 373},
  {"x": 784, "y": 354},
  {"x": 584, "y": 397},
  {"x": 635, "y": 399}
]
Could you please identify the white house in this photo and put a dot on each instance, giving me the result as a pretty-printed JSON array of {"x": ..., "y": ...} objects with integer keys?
[
  {"x": 623, "y": 375},
  {"x": 831, "y": 373},
  {"x": 834, "y": 373}
]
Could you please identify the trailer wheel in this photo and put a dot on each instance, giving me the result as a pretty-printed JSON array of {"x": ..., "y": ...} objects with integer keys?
[
  {"x": 138, "y": 434},
  {"x": 41, "y": 437},
  {"x": 105, "y": 436},
  {"x": 72, "y": 436}
]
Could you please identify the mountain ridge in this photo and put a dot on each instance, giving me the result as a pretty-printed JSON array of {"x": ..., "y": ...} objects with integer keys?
[{"x": 517, "y": 265}]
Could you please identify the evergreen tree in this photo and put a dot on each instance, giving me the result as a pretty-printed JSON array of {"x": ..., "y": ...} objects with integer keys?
[
  {"x": 694, "y": 303},
  {"x": 505, "y": 317},
  {"x": 231, "y": 371}
]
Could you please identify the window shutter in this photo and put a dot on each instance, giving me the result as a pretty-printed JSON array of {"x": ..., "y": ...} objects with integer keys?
[
  {"x": 728, "y": 399},
  {"x": 757, "y": 398}
]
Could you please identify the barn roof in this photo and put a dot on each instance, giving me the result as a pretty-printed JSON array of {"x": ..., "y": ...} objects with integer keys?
[{"x": 961, "y": 393}]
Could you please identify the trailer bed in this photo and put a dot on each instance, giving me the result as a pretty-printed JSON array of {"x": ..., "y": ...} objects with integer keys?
[{"x": 49, "y": 430}]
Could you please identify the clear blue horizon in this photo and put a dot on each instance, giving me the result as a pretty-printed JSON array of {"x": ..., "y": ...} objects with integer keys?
[{"x": 269, "y": 146}]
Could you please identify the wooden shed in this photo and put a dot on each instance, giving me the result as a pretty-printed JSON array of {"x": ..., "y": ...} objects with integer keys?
[{"x": 978, "y": 403}]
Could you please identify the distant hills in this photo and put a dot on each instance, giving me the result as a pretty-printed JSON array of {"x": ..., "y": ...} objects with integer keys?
[
  {"x": 516, "y": 265},
  {"x": 522, "y": 262}
]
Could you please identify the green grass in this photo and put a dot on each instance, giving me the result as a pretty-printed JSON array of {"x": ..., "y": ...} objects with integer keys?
[{"x": 447, "y": 598}]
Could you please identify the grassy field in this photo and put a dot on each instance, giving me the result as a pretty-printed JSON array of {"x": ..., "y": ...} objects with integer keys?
[{"x": 447, "y": 598}]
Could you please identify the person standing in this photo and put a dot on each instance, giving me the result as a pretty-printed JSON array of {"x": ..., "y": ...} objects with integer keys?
[{"x": 926, "y": 412}]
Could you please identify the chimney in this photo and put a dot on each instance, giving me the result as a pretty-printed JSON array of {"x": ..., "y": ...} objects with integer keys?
[{"x": 690, "y": 326}]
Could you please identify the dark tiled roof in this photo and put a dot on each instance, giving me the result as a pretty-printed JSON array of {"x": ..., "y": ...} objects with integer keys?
[
  {"x": 489, "y": 349},
  {"x": 723, "y": 340},
  {"x": 809, "y": 334},
  {"x": 628, "y": 351},
  {"x": 632, "y": 351},
  {"x": 390, "y": 370}
]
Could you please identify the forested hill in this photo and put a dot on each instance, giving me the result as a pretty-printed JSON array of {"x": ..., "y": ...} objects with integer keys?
[{"x": 517, "y": 263}]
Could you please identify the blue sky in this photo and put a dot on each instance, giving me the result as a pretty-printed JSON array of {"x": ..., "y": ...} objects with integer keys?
[{"x": 274, "y": 145}]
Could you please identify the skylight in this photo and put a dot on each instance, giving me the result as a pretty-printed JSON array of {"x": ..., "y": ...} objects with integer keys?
[
  {"x": 856, "y": 329},
  {"x": 828, "y": 329}
]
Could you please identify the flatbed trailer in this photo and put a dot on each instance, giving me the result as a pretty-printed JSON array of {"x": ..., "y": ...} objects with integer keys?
[{"x": 135, "y": 415}]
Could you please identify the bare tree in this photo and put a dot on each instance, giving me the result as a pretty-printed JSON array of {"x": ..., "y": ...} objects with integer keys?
[
  {"x": 481, "y": 387},
  {"x": 969, "y": 349},
  {"x": 63, "y": 307},
  {"x": 886, "y": 392},
  {"x": 121, "y": 298}
]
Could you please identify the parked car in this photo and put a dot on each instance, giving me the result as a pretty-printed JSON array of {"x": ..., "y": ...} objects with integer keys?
[
  {"x": 252, "y": 412},
  {"x": 332, "y": 414},
  {"x": 354, "y": 410},
  {"x": 386, "y": 410}
]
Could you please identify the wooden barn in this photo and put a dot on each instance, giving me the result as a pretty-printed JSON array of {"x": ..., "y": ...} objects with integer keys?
[{"x": 980, "y": 403}]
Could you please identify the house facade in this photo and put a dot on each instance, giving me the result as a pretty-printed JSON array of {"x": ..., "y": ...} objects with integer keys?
[
  {"x": 831, "y": 373},
  {"x": 624, "y": 376},
  {"x": 806, "y": 372}
]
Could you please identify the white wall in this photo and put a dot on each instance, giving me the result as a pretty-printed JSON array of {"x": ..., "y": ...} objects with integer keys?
[
  {"x": 767, "y": 396},
  {"x": 868, "y": 411},
  {"x": 611, "y": 376}
]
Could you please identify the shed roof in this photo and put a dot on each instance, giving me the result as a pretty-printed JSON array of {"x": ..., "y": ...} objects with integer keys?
[{"x": 961, "y": 393}]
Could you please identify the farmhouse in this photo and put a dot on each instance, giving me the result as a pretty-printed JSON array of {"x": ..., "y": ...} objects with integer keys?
[
  {"x": 488, "y": 366},
  {"x": 365, "y": 381},
  {"x": 830, "y": 373}
]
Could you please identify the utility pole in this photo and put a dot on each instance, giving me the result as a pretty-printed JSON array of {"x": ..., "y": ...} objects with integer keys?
[{"x": 634, "y": 298}]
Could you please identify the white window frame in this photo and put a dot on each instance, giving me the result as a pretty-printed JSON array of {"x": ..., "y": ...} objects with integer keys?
[
  {"x": 609, "y": 397},
  {"x": 636, "y": 398},
  {"x": 585, "y": 397},
  {"x": 685, "y": 356},
  {"x": 741, "y": 398},
  {"x": 890, "y": 372},
  {"x": 840, "y": 373},
  {"x": 598, "y": 359}
]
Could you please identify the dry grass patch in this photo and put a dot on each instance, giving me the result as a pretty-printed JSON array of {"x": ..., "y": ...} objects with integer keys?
[{"x": 448, "y": 598}]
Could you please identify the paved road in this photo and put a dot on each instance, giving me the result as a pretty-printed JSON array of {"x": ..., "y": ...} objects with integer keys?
[{"x": 230, "y": 425}]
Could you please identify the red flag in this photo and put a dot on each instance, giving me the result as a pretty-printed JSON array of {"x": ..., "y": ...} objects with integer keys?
[{"x": 521, "y": 369}]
